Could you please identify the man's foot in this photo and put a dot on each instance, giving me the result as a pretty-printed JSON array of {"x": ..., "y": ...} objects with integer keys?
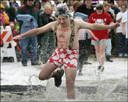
[
  {"x": 58, "y": 77},
  {"x": 101, "y": 68}
]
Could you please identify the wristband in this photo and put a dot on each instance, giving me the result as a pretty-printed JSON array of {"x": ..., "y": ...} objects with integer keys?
[{"x": 21, "y": 35}]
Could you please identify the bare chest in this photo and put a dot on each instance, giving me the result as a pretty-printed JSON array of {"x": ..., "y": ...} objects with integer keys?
[{"x": 64, "y": 33}]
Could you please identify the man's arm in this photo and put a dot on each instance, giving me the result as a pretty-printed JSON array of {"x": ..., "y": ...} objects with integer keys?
[
  {"x": 123, "y": 28},
  {"x": 36, "y": 31},
  {"x": 95, "y": 26}
]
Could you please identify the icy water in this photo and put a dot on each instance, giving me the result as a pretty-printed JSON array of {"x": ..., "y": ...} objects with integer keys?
[
  {"x": 116, "y": 92},
  {"x": 110, "y": 86}
]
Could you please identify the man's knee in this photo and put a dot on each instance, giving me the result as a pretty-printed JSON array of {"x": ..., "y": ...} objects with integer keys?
[
  {"x": 42, "y": 77},
  {"x": 70, "y": 81}
]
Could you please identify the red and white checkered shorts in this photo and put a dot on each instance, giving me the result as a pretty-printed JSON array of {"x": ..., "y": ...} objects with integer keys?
[{"x": 67, "y": 58}]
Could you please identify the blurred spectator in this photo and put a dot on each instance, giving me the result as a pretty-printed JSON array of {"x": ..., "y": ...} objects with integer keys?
[
  {"x": 11, "y": 12},
  {"x": 28, "y": 19},
  {"x": 15, "y": 4},
  {"x": 125, "y": 30},
  {"x": 111, "y": 32},
  {"x": 125, "y": 2},
  {"x": 42, "y": 4},
  {"x": 82, "y": 46},
  {"x": 76, "y": 4},
  {"x": 86, "y": 8},
  {"x": 115, "y": 8},
  {"x": 6, "y": 18},
  {"x": 68, "y": 2},
  {"x": 2, "y": 20},
  {"x": 110, "y": 9},
  {"x": 37, "y": 5},
  {"x": 120, "y": 36},
  {"x": 15, "y": 33},
  {"x": 119, "y": 3},
  {"x": 46, "y": 40},
  {"x": 5, "y": 4},
  {"x": 21, "y": 3}
]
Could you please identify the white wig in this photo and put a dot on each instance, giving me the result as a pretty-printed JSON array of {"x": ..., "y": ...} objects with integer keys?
[{"x": 62, "y": 9}]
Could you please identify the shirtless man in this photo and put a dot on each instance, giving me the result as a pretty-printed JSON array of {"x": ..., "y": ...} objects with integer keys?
[{"x": 66, "y": 52}]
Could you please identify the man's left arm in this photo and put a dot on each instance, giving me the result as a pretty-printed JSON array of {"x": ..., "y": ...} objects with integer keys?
[{"x": 95, "y": 26}]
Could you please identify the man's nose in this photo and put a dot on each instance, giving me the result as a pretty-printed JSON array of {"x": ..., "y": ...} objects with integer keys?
[{"x": 61, "y": 21}]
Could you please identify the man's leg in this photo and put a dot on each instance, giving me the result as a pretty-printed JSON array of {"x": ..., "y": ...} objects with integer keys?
[
  {"x": 47, "y": 71},
  {"x": 70, "y": 82}
]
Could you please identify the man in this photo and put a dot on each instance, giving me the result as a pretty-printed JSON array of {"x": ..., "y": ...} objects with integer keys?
[
  {"x": 66, "y": 52},
  {"x": 103, "y": 18}
]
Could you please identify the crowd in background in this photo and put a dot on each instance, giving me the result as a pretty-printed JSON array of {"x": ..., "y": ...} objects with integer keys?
[{"x": 31, "y": 14}]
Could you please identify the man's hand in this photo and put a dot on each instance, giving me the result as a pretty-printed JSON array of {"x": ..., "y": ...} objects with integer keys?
[
  {"x": 114, "y": 25},
  {"x": 18, "y": 37}
]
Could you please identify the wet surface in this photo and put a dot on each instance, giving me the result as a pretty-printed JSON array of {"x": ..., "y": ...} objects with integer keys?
[{"x": 36, "y": 93}]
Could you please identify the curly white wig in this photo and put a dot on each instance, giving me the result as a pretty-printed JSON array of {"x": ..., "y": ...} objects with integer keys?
[{"x": 62, "y": 9}]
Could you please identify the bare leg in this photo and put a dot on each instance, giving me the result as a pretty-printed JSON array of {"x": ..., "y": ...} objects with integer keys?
[
  {"x": 100, "y": 53},
  {"x": 70, "y": 82},
  {"x": 47, "y": 70}
]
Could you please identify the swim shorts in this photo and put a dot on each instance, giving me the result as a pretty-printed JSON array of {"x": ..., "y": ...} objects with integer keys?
[{"x": 67, "y": 58}]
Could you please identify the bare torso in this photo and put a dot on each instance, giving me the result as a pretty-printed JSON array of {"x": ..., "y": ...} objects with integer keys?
[{"x": 63, "y": 37}]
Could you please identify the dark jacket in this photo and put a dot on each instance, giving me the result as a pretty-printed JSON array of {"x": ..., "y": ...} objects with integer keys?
[{"x": 85, "y": 10}]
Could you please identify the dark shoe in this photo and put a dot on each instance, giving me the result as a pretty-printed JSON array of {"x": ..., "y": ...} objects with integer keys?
[
  {"x": 36, "y": 63},
  {"x": 101, "y": 68},
  {"x": 87, "y": 62},
  {"x": 24, "y": 64},
  {"x": 11, "y": 59},
  {"x": 108, "y": 58},
  {"x": 80, "y": 73},
  {"x": 58, "y": 77}
]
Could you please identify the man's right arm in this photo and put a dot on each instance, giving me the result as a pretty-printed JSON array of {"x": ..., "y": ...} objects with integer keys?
[{"x": 36, "y": 31}]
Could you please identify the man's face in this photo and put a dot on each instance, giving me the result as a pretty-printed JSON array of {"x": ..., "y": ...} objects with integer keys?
[
  {"x": 30, "y": 2},
  {"x": 88, "y": 2},
  {"x": 62, "y": 20}
]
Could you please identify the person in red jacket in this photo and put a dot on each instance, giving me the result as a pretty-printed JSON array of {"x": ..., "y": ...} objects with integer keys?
[{"x": 100, "y": 17}]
